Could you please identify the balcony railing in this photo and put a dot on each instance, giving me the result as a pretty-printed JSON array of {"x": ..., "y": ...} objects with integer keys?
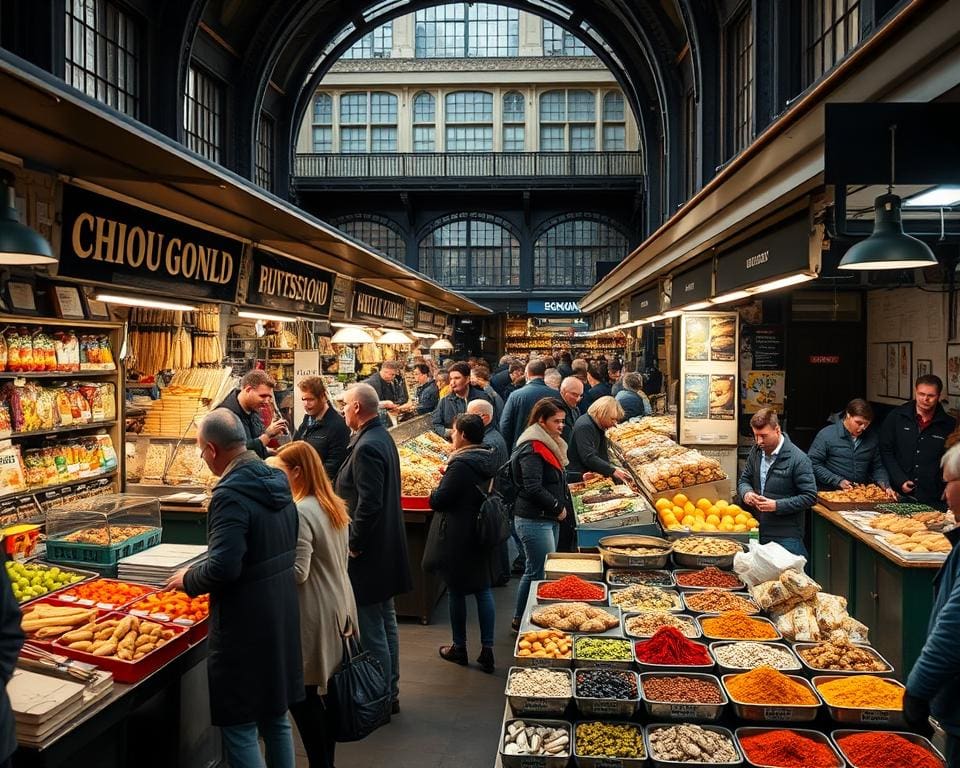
[{"x": 469, "y": 165}]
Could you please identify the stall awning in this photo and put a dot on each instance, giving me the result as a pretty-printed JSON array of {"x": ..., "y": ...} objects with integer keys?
[{"x": 50, "y": 126}]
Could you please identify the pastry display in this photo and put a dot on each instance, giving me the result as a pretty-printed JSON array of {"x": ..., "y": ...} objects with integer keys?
[{"x": 574, "y": 617}]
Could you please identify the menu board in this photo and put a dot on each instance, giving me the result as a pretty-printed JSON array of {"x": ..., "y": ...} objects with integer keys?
[{"x": 708, "y": 378}]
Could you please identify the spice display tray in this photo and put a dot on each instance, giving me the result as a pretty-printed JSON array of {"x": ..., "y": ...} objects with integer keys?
[
  {"x": 646, "y": 666},
  {"x": 778, "y": 713},
  {"x": 536, "y": 761},
  {"x": 813, "y": 671},
  {"x": 631, "y": 614},
  {"x": 587, "y": 557},
  {"x": 728, "y": 670},
  {"x": 600, "y": 601},
  {"x": 678, "y": 606},
  {"x": 690, "y": 609},
  {"x": 815, "y": 735},
  {"x": 105, "y": 606},
  {"x": 682, "y": 711},
  {"x": 596, "y": 761},
  {"x": 700, "y": 618},
  {"x": 132, "y": 671},
  {"x": 604, "y": 708},
  {"x": 580, "y": 663},
  {"x": 891, "y": 718},
  {"x": 538, "y": 705},
  {"x": 661, "y": 763},
  {"x": 531, "y": 661},
  {"x": 668, "y": 581},
  {"x": 920, "y": 741},
  {"x": 683, "y": 588},
  {"x": 653, "y": 561}
]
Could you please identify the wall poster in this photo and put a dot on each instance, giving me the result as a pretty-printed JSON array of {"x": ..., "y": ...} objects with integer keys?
[
  {"x": 953, "y": 369},
  {"x": 764, "y": 389},
  {"x": 708, "y": 367}
]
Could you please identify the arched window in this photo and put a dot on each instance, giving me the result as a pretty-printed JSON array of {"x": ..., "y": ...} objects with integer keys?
[
  {"x": 471, "y": 250},
  {"x": 513, "y": 117},
  {"x": 469, "y": 121},
  {"x": 424, "y": 122},
  {"x": 323, "y": 123},
  {"x": 568, "y": 121},
  {"x": 368, "y": 122},
  {"x": 378, "y": 232},
  {"x": 614, "y": 125},
  {"x": 568, "y": 249}
]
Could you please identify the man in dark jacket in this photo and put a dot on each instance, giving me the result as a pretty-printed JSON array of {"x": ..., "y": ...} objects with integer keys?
[
  {"x": 253, "y": 663},
  {"x": 506, "y": 381},
  {"x": 322, "y": 426},
  {"x": 11, "y": 641},
  {"x": 491, "y": 435},
  {"x": 571, "y": 393},
  {"x": 847, "y": 452},
  {"x": 369, "y": 481},
  {"x": 778, "y": 482},
  {"x": 516, "y": 411},
  {"x": 934, "y": 682},
  {"x": 565, "y": 365},
  {"x": 256, "y": 389},
  {"x": 599, "y": 386},
  {"x": 631, "y": 396},
  {"x": 427, "y": 393},
  {"x": 615, "y": 376},
  {"x": 389, "y": 385},
  {"x": 455, "y": 403},
  {"x": 912, "y": 442},
  {"x": 480, "y": 378}
]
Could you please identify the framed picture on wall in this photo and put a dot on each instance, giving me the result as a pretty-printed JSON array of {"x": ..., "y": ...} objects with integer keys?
[
  {"x": 924, "y": 367},
  {"x": 97, "y": 310},
  {"x": 20, "y": 297},
  {"x": 953, "y": 369},
  {"x": 67, "y": 301}
]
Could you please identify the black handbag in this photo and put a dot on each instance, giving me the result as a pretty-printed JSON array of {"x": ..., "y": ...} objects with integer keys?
[{"x": 359, "y": 691}]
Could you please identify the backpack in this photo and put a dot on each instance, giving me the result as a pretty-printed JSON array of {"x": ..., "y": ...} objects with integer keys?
[
  {"x": 506, "y": 484},
  {"x": 493, "y": 518}
]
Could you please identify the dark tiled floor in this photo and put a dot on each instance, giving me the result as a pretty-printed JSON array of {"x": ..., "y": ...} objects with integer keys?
[{"x": 450, "y": 715}]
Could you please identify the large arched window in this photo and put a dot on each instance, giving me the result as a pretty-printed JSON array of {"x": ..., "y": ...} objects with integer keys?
[
  {"x": 471, "y": 250},
  {"x": 378, "y": 232},
  {"x": 469, "y": 121},
  {"x": 323, "y": 123},
  {"x": 424, "y": 122},
  {"x": 568, "y": 249}
]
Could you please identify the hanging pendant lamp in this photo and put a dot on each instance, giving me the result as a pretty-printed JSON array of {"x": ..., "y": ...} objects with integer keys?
[
  {"x": 19, "y": 244},
  {"x": 888, "y": 246}
]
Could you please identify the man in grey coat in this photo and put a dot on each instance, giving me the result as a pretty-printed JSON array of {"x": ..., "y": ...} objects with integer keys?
[
  {"x": 778, "y": 483},
  {"x": 520, "y": 404}
]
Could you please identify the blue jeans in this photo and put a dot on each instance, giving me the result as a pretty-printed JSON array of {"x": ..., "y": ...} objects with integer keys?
[
  {"x": 243, "y": 749},
  {"x": 486, "y": 613},
  {"x": 539, "y": 538},
  {"x": 380, "y": 636}
]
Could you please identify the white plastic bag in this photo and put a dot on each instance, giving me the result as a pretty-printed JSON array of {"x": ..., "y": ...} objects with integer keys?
[{"x": 765, "y": 562}]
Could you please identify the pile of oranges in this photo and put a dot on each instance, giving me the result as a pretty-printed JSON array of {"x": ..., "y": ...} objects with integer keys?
[{"x": 703, "y": 515}]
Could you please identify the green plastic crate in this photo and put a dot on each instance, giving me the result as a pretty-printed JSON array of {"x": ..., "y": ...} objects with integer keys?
[{"x": 90, "y": 555}]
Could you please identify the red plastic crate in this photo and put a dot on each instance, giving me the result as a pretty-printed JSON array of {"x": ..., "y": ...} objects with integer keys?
[
  {"x": 415, "y": 503},
  {"x": 132, "y": 671},
  {"x": 61, "y": 595}
]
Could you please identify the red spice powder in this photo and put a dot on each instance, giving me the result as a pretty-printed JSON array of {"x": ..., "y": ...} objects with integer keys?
[
  {"x": 570, "y": 588},
  {"x": 886, "y": 750},
  {"x": 787, "y": 749},
  {"x": 669, "y": 646}
]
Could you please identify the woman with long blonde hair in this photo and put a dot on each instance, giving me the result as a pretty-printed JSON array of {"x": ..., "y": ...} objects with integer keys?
[{"x": 327, "y": 605}]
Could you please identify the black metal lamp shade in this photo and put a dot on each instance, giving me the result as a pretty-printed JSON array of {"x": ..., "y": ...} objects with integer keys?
[
  {"x": 19, "y": 244},
  {"x": 888, "y": 246}
]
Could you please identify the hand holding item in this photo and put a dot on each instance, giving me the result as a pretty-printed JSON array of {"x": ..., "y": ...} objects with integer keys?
[
  {"x": 891, "y": 494},
  {"x": 588, "y": 476},
  {"x": 621, "y": 474},
  {"x": 562, "y": 516},
  {"x": 750, "y": 498},
  {"x": 276, "y": 428},
  {"x": 763, "y": 504},
  {"x": 176, "y": 581},
  {"x": 908, "y": 487},
  {"x": 845, "y": 485},
  {"x": 388, "y": 405}
]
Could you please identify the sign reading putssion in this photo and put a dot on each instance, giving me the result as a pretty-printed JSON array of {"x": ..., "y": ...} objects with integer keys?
[
  {"x": 376, "y": 306},
  {"x": 280, "y": 283},
  {"x": 107, "y": 241}
]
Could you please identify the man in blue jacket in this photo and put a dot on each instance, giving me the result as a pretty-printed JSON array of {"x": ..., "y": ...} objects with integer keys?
[
  {"x": 778, "y": 483},
  {"x": 934, "y": 682},
  {"x": 455, "y": 403},
  {"x": 520, "y": 404},
  {"x": 847, "y": 453}
]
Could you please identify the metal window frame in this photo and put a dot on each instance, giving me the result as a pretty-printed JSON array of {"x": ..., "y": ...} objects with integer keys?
[
  {"x": 265, "y": 156},
  {"x": 376, "y": 44},
  {"x": 562, "y": 42},
  {"x": 378, "y": 232},
  {"x": 820, "y": 23},
  {"x": 463, "y": 21},
  {"x": 572, "y": 260},
  {"x": 203, "y": 113},
  {"x": 486, "y": 264}
]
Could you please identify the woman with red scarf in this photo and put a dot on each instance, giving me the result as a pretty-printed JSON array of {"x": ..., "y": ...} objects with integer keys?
[{"x": 543, "y": 497}]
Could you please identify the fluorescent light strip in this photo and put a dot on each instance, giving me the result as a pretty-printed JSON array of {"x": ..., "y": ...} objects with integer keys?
[
  {"x": 695, "y": 306},
  {"x": 672, "y": 313},
  {"x": 256, "y": 315},
  {"x": 728, "y": 297},
  {"x": 936, "y": 197},
  {"x": 136, "y": 301},
  {"x": 783, "y": 282}
]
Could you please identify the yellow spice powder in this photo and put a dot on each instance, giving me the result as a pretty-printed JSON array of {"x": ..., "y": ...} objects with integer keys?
[{"x": 862, "y": 691}]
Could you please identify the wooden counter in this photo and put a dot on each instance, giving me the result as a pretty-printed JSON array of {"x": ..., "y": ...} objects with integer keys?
[{"x": 889, "y": 594}]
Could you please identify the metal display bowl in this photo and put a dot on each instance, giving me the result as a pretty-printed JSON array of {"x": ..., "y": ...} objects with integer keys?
[
  {"x": 580, "y": 663},
  {"x": 682, "y": 711},
  {"x": 538, "y": 705},
  {"x": 536, "y": 761},
  {"x": 666, "y": 578},
  {"x": 728, "y": 670},
  {"x": 600, "y": 601},
  {"x": 623, "y": 625},
  {"x": 699, "y": 619},
  {"x": 552, "y": 573},
  {"x": 696, "y": 562},
  {"x": 606, "y": 708},
  {"x": 812, "y": 670},
  {"x": 779, "y": 713},
  {"x": 661, "y": 763},
  {"x": 678, "y": 606},
  {"x": 599, "y": 761},
  {"x": 684, "y": 588},
  {"x": 646, "y": 666},
  {"x": 891, "y": 718},
  {"x": 920, "y": 741},
  {"x": 532, "y": 661},
  {"x": 690, "y": 609},
  {"x": 653, "y": 561},
  {"x": 814, "y": 735}
]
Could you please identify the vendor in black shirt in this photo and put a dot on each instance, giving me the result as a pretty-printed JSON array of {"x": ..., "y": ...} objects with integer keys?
[
  {"x": 427, "y": 393},
  {"x": 389, "y": 385},
  {"x": 322, "y": 426}
]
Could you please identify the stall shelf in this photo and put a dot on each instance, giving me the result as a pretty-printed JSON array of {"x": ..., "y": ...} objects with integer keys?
[{"x": 892, "y": 595}]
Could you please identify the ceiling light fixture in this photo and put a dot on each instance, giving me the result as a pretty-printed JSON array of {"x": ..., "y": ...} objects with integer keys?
[
  {"x": 728, "y": 297},
  {"x": 19, "y": 244},
  {"x": 351, "y": 334},
  {"x": 941, "y": 196},
  {"x": 394, "y": 337},
  {"x": 888, "y": 246},
  {"x": 696, "y": 306},
  {"x": 783, "y": 282},
  {"x": 442, "y": 345},
  {"x": 136, "y": 301},
  {"x": 252, "y": 314},
  {"x": 672, "y": 313}
]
